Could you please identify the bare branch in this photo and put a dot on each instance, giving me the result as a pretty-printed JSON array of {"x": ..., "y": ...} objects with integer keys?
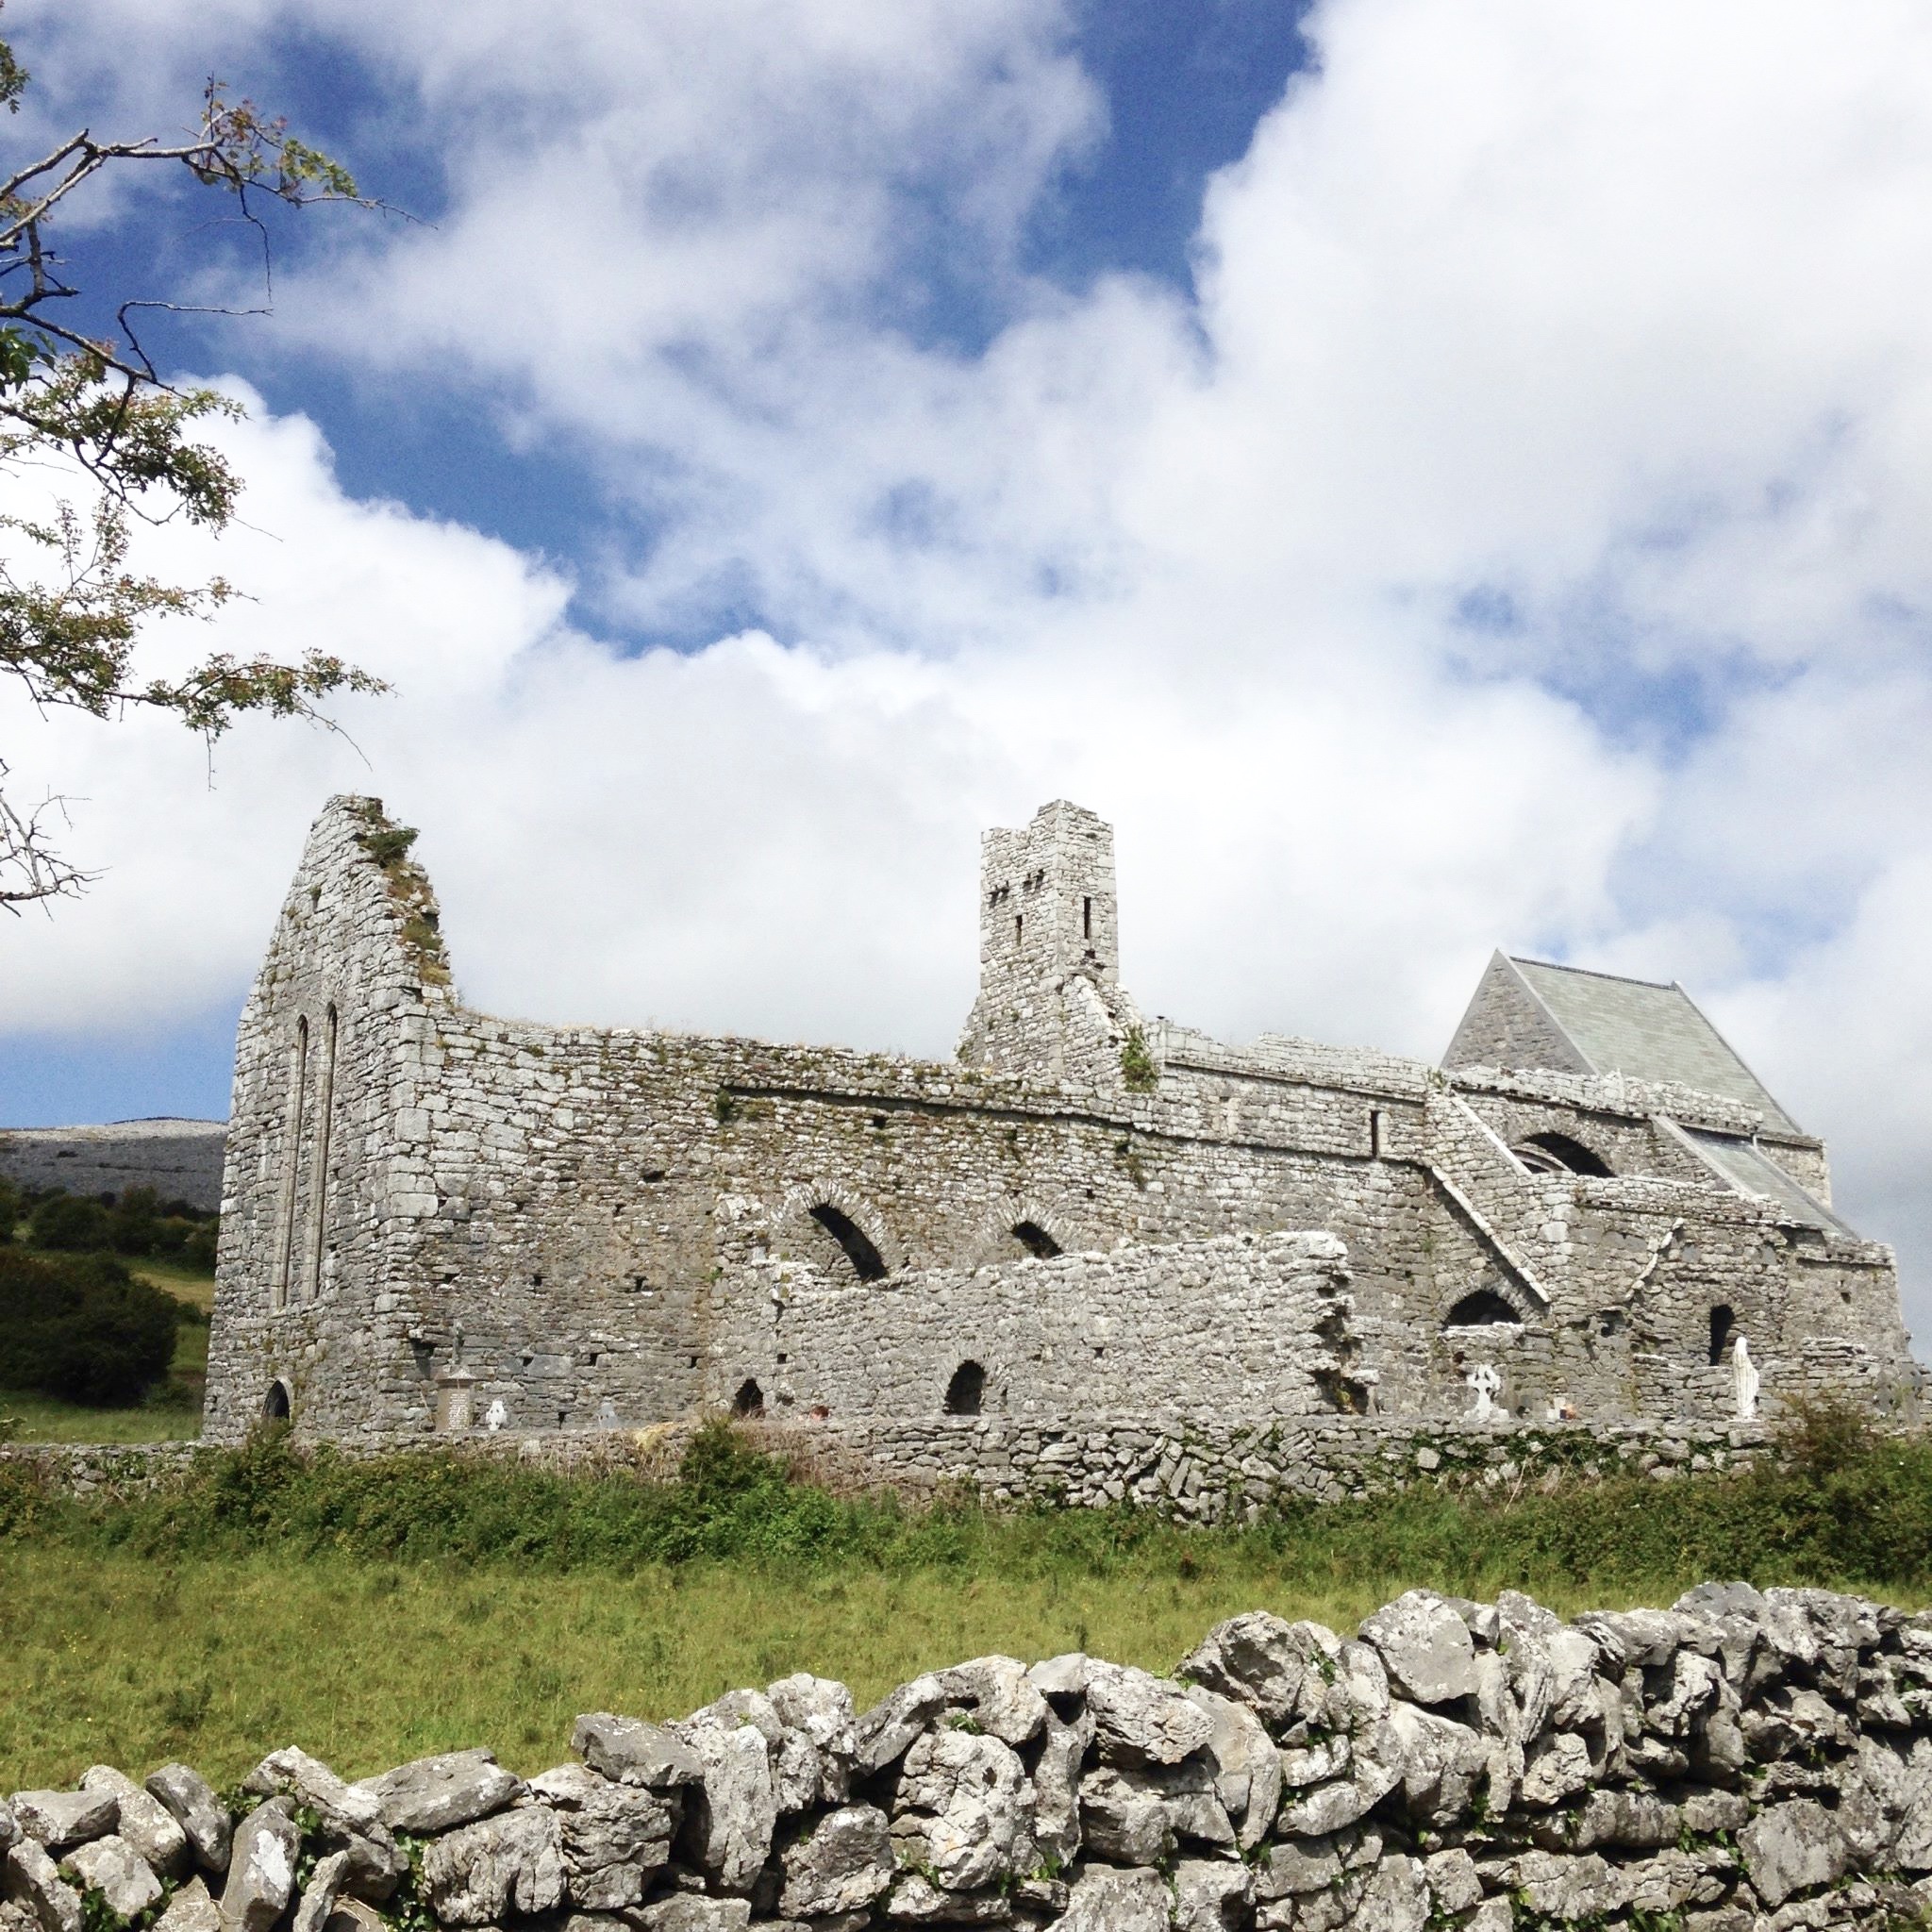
[{"x": 31, "y": 871}]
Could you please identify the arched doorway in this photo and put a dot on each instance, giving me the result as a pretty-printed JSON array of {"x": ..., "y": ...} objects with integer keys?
[{"x": 966, "y": 1391}]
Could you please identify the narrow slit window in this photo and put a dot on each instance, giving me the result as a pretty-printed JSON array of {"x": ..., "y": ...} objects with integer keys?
[
  {"x": 292, "y": 1164},
  {"x": 1019, "y": 926},
  {"x": 1085, "y": 919},
  {"x": 318, "y": 1161}
]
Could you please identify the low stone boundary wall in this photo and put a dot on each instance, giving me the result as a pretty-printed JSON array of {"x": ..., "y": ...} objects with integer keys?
[
  {"x": 1198, "y": 1475},
  {"x": 1742, "y": 1762}
]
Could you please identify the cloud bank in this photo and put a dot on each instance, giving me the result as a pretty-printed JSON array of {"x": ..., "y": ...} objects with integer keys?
[{"x": 1515, "y": 536}]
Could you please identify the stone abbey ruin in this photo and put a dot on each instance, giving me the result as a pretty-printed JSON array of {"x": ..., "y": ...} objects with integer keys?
[{"x": 1095, "y": 1241}]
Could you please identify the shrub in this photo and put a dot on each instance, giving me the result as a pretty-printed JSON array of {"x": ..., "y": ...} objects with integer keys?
[
  {"x": 73, "y": 1223},
  {"x": 9, "y": 1208},
  {"x": 83, "y": 1329}
]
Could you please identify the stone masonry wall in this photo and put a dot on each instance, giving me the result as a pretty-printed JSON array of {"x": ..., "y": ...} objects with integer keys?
[
  {"x": 437, "y": 1218},
  {"x": 1742, "y": 1762}
]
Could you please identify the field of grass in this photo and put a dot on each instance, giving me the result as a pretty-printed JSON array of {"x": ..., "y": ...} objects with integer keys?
[
  {"x": 374, "y": 1611},
  {"x": 172, "y": 1413}
]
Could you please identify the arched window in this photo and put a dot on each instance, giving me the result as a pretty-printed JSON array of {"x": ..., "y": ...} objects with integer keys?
[
  {"x": 275, "y": 1405},
  {"x": 1558, "y": 1154},
  {"x": 966, "y": 1390},
  {"x": 1485, "y": 1309},
  {"x": 859, "y": 1251},
  {"x": 1723, "y": 1321},
  {"x": 750, "y": 1399},
  {"x": 1036, "y": 1241}
]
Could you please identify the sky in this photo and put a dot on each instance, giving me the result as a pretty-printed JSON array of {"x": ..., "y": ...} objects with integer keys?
[{"x": 1434, "y": 478}]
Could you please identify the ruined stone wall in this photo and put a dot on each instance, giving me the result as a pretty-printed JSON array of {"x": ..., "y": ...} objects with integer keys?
[
  {"x": 436, "y": 1219},
  {"x": 1745, "y": 1761}
]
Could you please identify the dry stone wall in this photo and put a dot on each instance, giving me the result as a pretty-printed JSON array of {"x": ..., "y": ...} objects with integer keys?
[{"x": 1742, "y": 1762}]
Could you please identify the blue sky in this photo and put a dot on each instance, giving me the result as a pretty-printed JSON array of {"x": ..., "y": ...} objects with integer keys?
[{"x": 1433, "y": 479}]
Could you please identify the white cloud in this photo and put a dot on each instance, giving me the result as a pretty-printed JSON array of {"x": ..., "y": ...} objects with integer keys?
[{"x": 1612, "y": 316}]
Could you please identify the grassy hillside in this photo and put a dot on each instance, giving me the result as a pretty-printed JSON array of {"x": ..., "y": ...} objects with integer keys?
[
  {"x": 374, "y": 1612},
  {"x": 172, "y": 1411}
]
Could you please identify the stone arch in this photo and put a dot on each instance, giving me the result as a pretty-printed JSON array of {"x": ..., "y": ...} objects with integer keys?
[
  {"x": 750, "y": 1399},
  {"x": 1555, "y": 1152},
  {"x": 277, "y": 1405},
  {"x": 821, "y": 1218},
  {"x": 966, "y": 1391},
  {"x": 1021, "y": 1227},
  {"x": 1483, "y": 1307}
]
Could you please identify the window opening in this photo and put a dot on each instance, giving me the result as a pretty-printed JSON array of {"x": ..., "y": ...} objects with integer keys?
[
  {"x": 1085, "y": 919},
  {"x": 1036, "y": 1241},
  {"x": 1723, "y": 1321},
  {"x": 750, "y": 1399},
  {"x": 1560, "y": 1154},
  {"x": 859, "y": 1251},
  {"x": 1376, "y": 1133},
  {"x": 292, "y": 1161},
  {"x": 1019, "y": 926},
  {"x": 966, "y": 1390},
  {"x": 1485, "y": 1309},
  {"x": 318, "y": 1160},
  {"x": 275, "y": 1405}
]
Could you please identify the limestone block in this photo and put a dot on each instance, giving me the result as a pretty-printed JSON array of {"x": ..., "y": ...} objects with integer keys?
[
  {"x": 261, "y": 1868},
  {"x": 1105, "y": 1898},
  {"x": 614, "y": 1837},
  {"x": 143, "y": 1821},
  {"x": 34, "y": 1882},
  {"x": 1427, "y": 1646},
  {"x": 1266, "y": 1663},
  {"x": 964, "y": 1809},
  {"x": 60, "y": 1819},
  {"x": 733, "y": 1810},
  {"x": 322, "y": 1893},
  {"x": 191, "y": 1909},
  {"x": 632, "y": 1752},
  {"x": 113, "y": 1868},
  {"x": 1142, "y": 1719},
  {"x": 435, "y": 1794},
  {"x": 512, "y": 1862},
  {"x": 1212, "y": 1895},
  {"x": 997, "y": 1692},
  {"x": 842, "y": 1865},
  {"x": 1791, "y": 1847},
  {"x": 1247, "y": 1767}
]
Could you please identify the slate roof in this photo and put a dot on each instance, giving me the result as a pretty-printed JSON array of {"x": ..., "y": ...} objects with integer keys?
[{"x": 1648, "y": 1031}]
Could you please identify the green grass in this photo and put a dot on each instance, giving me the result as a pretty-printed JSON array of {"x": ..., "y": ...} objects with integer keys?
[
  {"x": 172, "y": 1413},
  {"x": 373, "y": 1611}
]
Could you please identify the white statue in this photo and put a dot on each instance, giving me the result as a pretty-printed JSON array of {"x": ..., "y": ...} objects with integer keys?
[
  {"x": 1486, "y": 1383},
  {"x": 496, "y": 1415},
  {"x": 1744, "y": 1380}
]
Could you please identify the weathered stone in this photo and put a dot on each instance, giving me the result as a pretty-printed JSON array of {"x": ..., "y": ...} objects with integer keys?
[
  {"x": 1427, "y": 1646},
  {"x": 732, "y": 1811},
  {"x": 356, "y": 1915},
  {"x": 261, "y": 1868},
  {"x": 1279, "y": 1670},
  {"x": 1441, "y": 1762},
  {"x": 191, "y": 1801},
  {"x": 144, "y": 1822},
  {"x": 512, "y": 1862},
  {"x": 34, "y": 1882},
  {"x": 1555, "y": 1770},
  {"x": 191, "y": 1909},
  {"x": 613, "y": 1836},
  {"x": 693, "y": 1914},
  {"x": 885, "y": 1733},
  {"x": 433, "y": 1795},
  {"x": 996, "y": 1691},
  {"x": 1056, "y": 1788},
  {"x": 351, "y": 1818},
  {"x": 964, "y": 1809},
  {"x": 60, "y": 1819},
  {"x": 1453, "y": 1884},
  {"x": 1247, "y": 1767},
  {"x": 1211, "y": 1895},
  {"x": 1103, "y": 1898},
  {"x": 632, "y": 1752},
  {"x": 842, "y": 1865},
  {"x": 323, "y": 1892},
  {"x": 1790, "y": 1848},
  {"x": 817, "y": 1714},
  {"x": 113, "y": 1868},
  {"x": 9, "y": 1828},
  {"x": 1140, "y": 1719}
]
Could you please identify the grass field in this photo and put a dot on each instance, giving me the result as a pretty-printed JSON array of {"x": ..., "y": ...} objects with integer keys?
[
  {"x": 172, "y": 1413},
  {"x": 374, "y": 1611}
]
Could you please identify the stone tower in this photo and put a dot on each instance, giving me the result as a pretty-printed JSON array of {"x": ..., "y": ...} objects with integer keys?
[{"x": 1050, "y": 1000}]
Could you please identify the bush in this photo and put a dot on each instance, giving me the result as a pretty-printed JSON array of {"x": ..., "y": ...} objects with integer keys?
[
  {"x": 9, "y": 1208},
  {"x": 72, "y": 1224},
  {"x": 83, "y": 1329}
]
